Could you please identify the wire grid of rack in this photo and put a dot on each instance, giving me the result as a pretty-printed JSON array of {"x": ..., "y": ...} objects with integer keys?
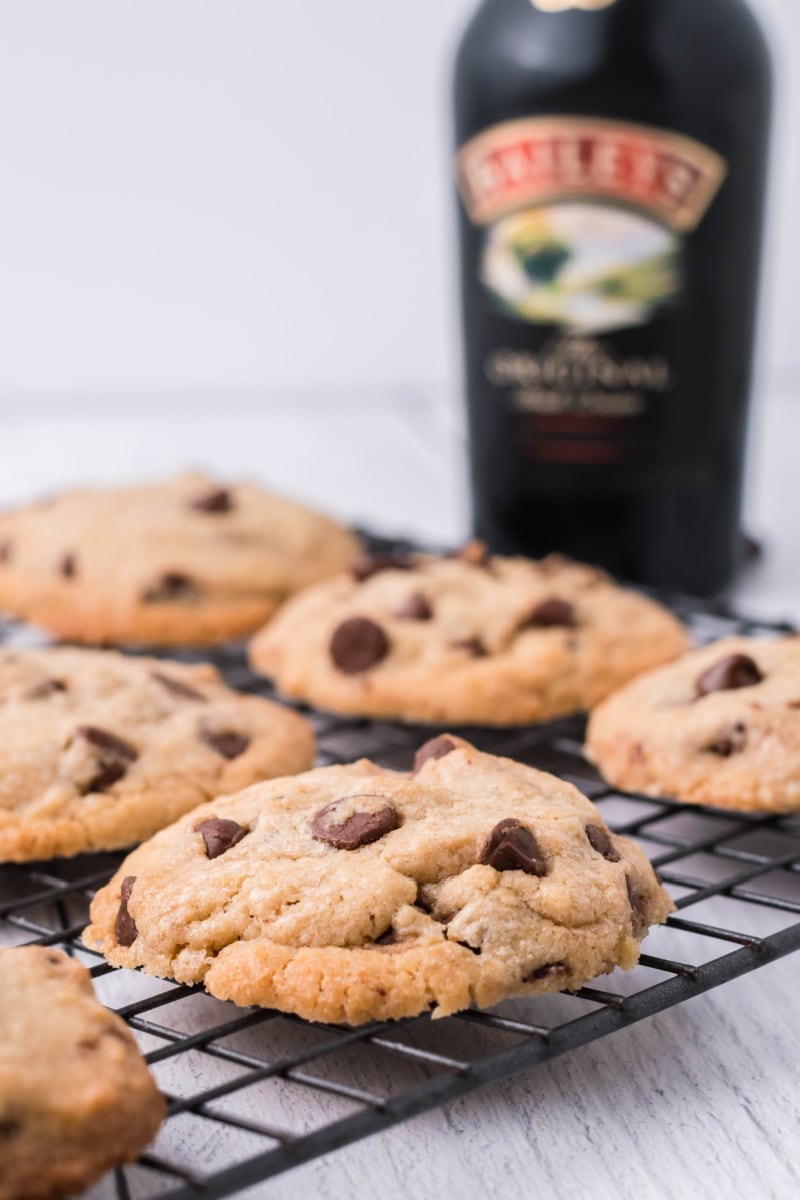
[{"x": 233, "y": 1076}]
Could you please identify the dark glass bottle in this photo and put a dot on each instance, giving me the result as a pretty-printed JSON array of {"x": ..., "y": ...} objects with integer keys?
[{"x": 612, "y": 160}]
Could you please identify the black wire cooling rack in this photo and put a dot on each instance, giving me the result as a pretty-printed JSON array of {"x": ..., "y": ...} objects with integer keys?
[{"x": 234, "y": 1077}]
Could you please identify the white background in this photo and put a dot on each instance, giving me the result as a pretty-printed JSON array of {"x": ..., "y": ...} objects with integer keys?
[{"x": 222, "y": 196}]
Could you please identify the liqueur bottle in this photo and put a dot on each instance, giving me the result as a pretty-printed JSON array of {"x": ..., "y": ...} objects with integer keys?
[{"x": 612, "y": 159}]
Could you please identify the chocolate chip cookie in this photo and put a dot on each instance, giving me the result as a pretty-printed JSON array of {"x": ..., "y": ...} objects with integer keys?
[
  {"x": 353, "y": 893},
  {"x": 720, "y": 727},
  {"x": 76, "y": 1098},
  {"x": 172, "y": 563},
  {"x": 98, "y": 750},
  {"x": 466, "y": 639}
]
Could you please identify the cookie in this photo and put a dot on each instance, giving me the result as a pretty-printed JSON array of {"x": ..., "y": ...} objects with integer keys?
[
  {"x": 180, "y": 562},
  {"x": 464, "y": 640},
  {"x": 99, "y": 750},
  {"x": 720, "y": 727},
  {"x": 76, "y": 1098},
  {"x": 353, "y": 893}
]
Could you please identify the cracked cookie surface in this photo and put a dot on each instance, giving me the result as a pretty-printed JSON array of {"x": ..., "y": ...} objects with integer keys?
[
  {"x": 465, "y": 639},
  {"x": 76, "y": 1097},
  {"x": 179, "y": 562},
  {"x": 720, "y": 726},
  {"x": 100, "y": 750},
  {"x": 353, "y": 893}
]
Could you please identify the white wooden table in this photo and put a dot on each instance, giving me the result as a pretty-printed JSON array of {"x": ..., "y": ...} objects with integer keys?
[{"x": 701, "y": 1101}]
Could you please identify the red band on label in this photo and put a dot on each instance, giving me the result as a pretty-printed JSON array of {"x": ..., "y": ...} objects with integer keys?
[{"x": 543, "y": 159}]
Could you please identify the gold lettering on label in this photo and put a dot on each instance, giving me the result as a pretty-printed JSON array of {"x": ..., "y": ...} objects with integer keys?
[
  {"x": 590, "y": 404},
  {"x": 579, "y": 366}
]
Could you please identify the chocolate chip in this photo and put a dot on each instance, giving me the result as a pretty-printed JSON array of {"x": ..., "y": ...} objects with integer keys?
[
  {"x": 437, "y": 747},
  {"x": 104, "y": 740},
  {"x": 474, "y": 646},
  {"x": 729, "y": 740},
  {"x": 220, "y": 835},
  {"x": 735, "y": 671},
  {"x": 226, "y": 742},
  {"x": 47, "y": 687},
  {"x": 601, "y": 841},
  {"x": 6, "y": 551},
  {"x": 358, "y": 644},
  {"x": 177, "y": 687},
  {"x": 115, "y": 757},
  {"x": 466, "y": 945},
  {"x": 416, "y": 608},
  {"x": 638, "y": 903},
  {"x": 548, "y": 971},
  {"x": 511, "y": 846},
  {"x": 217, "y": 501},
  {"x": 354, "y": 821},
  {"x": 68, "y": 567},
  {"x": 9, "y": 1128},
  {"x": 373, "y": 564},
  {"x": 474, "y": 554},
  {"x": 551, "y": 614},
  {"x": 389, "y": 938},
  {"x": 125, "y": 929},
  {"x": 172, "y": 586}
]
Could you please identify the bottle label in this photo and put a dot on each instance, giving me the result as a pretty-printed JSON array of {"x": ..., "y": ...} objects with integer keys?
[{"x": 585, "y": 219}]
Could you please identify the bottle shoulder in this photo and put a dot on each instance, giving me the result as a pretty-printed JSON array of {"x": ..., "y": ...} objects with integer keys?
[{"x": 652, "y": 56}]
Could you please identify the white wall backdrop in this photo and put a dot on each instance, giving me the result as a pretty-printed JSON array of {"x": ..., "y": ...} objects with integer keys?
[{"x": 239, "y": 194}]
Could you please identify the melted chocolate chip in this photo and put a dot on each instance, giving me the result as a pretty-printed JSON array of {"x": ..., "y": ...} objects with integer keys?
[
  {"x": 373, "y": 564},
  {"x": 554, "y": 563},
  {"x": 226, "y": 742},
  {"x": 171, "y": 587},
  {"x": 638, "y": 903},
  {"x": 9, "y": 1128},
  {"x": 220, "y": 835},
  {"x": 389, "y": 938},
  {"x": 548, "y": 971},
  {"x": 474, "y": 646},
  {"x": 217, "y": 501},
  {"x": 46, "y": 688},
  {"x": 735, "y": 671},
  {"x": 730, "y": 740},
  {"x": 437, "y": 747},
  {"x": 114, "y": 758},
  {"x": 177, "y": 687},
  {"x": 358, "y": 644},
  {"x": 474, "y": 554},
  {"x": 511, "y": 846},
  {"x": 601, "y": 841},
  {"x": 104, "y": 740},
  {"x": 354, "y": 821},
  {"x": 68, "y": 567},
  {"x": 552, "y": 614},
  {"x": 125, "y": 929},
  {"x": 416, "y": 608},
  {"x": 6, "y": 551}
]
